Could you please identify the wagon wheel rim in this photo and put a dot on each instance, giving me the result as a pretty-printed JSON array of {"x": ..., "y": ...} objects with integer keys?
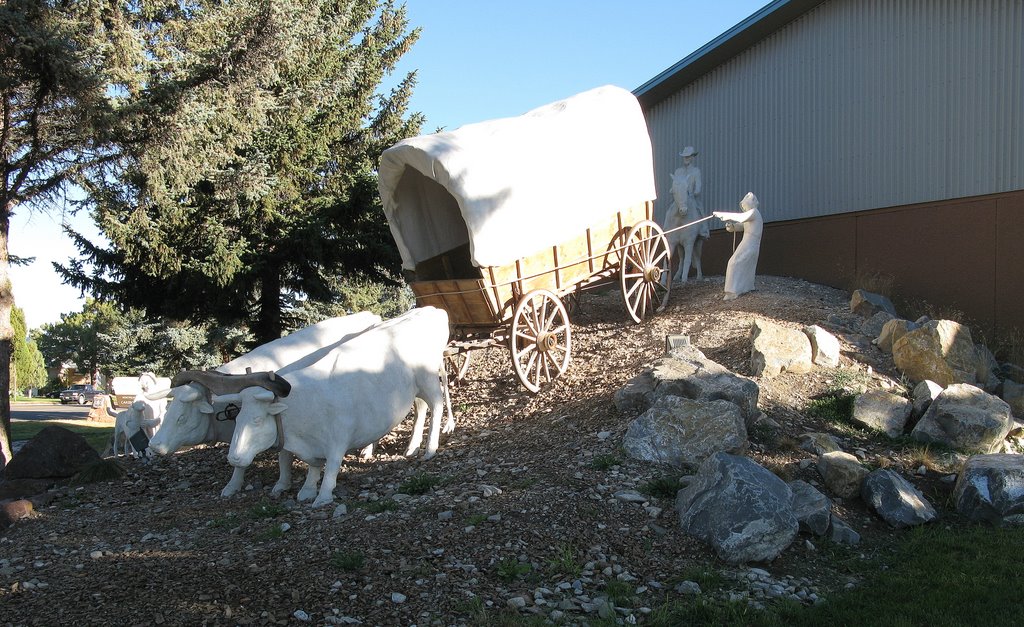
[
  {"x": 540, "y": 340},
  {"x": 646, "y": 271}
]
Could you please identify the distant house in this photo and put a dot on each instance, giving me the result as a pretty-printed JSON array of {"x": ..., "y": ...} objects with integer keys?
[{"x": 881, "y": 137}]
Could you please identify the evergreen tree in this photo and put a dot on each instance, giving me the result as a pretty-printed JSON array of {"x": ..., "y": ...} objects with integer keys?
[
  {"x": 259, "y": 188},
  {"x": 27, "y": 369},
  {"x": 57, "y": 122}
]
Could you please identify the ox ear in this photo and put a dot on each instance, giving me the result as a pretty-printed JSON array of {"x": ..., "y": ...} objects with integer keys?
[
  {"x": 205, "y": 408},
  {"x": 276, "y": 408}
]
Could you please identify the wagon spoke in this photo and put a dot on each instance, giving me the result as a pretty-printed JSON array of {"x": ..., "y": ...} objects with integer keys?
[
  {"x": 560, "y": 330},
  {"x": 529, "y": 348},
  {"x": 633, "y": 289},
  {"x": 658, "y": 260},
  {"x": 547, "y": 369},
  {"x": 634, "y": 275}
]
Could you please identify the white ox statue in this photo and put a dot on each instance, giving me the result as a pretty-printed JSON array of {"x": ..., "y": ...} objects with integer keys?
[
  {"x": 351, "y": 397},
  {"x": 191, "y": 418},
  {"x": 126, "y": 423}
]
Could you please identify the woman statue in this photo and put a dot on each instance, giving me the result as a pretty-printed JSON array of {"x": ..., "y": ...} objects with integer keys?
[{"x": 739, "y": 274}]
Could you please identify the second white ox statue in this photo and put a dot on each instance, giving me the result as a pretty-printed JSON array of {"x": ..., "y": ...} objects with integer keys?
[
  {"x": 190, "y": 418},
  {"x": 351, "y": 397}
]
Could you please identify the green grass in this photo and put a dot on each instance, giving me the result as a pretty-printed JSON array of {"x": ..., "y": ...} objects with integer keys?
[
  {"x": 935, "y": 575},
  {"x": 510, "y": 569},
  {"x": 605, "y": 461},
  {"x": 97, "y": 435},
  {"x": 661, "y": 487},
  {"x": 265, "y": 509},
  {"x": 476, "y": 519},
  {"x": 834, "y": 407},
  {"x": 620, "y": 593},
  {"x": 420, "y": 483},
  {"x": 103, "y": 470},
  {"x": 348, "y": 561},
  {"x": 378, "y": 507},
  {"x": 564, "y": 562}
]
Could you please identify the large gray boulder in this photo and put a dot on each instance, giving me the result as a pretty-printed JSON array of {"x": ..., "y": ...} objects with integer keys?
[
  {"x": 896, "y": 500},
  {"x": 882, "y": 411},
  {"x": 924, "y": 394},
  {"x": 842, "y": 473},
  {"x": 965, "y": 418},
  {"x": 891, "y": 331},
  {"x": 54, "y": 453},
  {"x": 684, "y": 432},
  {"x": 775, "y": 348},
  {"x": 1013, "y": 394},
  {"x": 939, "y": 350},
  {"x": 739, "y": 508},
  {"x": 813, "y": 510},
  {"x": 991, "y": 488},
  {"x": 824, "y": 346},
  {"x": 688, "y": 373},
  {"x": 867, "y": 304},
  {"x": 986, "y": 369},
  {"x": 873, "y": 326}
]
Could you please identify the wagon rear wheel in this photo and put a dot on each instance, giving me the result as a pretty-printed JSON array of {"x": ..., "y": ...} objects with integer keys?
[
  {"x": 646, "y": 272},
  {"x": 540, "y": 339}
]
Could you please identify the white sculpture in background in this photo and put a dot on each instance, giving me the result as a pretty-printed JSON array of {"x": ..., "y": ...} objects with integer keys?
[
  {"x": 739, "y": 274},
  {"x": 153, "y": 413},
  {"x": 686, "y": 207}
]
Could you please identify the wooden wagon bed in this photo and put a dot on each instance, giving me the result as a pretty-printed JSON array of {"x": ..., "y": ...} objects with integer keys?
[{"x": 486, "y": 300}]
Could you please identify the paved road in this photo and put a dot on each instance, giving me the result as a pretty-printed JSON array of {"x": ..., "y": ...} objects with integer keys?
[{"x": 41, "y": 411}]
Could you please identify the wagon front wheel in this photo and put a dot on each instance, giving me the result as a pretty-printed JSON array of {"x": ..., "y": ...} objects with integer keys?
[
  {"x": 540, "y": 339},
  {"x": 646, "y": 272}
]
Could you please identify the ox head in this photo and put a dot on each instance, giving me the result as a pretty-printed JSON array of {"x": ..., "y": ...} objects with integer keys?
[
  {"x": 186, "y": 421},
  {"x": 256, "y": 427}
]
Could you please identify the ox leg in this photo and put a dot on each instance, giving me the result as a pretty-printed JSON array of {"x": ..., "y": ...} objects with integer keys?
[
  {"x": 436, "y": 411},
  {"x": 417, "y": 428},
  {"x": 308, "y": 489},
  {"x": 367, "y": 452},
  {"x": 332, "y": 466},
  {"x": 449, "y": 424},
  {"x": 284, "y": 473},
  {"x": 235, "y": 484}
]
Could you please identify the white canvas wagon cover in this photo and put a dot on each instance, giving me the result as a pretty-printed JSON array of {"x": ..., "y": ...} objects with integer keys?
[{"x": 513, "y": 186}]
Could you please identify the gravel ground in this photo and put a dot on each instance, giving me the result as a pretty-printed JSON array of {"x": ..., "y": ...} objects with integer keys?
[{"x": 530, "y": 508}]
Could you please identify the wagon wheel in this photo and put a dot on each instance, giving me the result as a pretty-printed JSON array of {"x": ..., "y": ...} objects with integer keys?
[
  {"x": 540, "y": 339},
  {"x": 646, "y": 273},
  {"x": 459, "y": 362}
]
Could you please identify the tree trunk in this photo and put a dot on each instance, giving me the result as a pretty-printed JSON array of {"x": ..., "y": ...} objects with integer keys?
[
  {"x": 6, "y": 337},
  {"x": 268, "y": 318}
]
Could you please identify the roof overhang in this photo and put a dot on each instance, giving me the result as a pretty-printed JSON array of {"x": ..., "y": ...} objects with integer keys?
[{"x": 721, "y": 49}]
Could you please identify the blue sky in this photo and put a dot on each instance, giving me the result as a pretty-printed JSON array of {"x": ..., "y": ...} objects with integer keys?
[{"x": 475, "y": 60}]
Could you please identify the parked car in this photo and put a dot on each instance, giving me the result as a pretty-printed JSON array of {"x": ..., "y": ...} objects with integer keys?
[{"x": 82, "y": 394}]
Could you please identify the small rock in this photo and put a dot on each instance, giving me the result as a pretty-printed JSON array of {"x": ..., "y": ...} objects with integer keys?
[
  {"x": 516, "y": 603},
  {"x": 340, "y": 510},
  {"x": 604, "y": 435},
  {"x": 445, "y": 515},
  {"x": 300, "y": 615},
  {"x": 688, "y": 587},
  {"x": 398, "y": 597}
]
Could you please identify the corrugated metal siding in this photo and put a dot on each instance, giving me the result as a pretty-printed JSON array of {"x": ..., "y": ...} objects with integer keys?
[{"x": 858, "y": 104}]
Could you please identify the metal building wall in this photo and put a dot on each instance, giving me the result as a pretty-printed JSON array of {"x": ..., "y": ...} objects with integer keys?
[{"x": 858, "y": 104}]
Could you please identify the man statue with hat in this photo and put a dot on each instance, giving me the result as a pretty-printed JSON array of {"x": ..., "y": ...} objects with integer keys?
[{"x": 687, "y": 179}]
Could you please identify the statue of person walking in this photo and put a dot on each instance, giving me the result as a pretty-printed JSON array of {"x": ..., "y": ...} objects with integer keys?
[{"x": 739, "y": 274}]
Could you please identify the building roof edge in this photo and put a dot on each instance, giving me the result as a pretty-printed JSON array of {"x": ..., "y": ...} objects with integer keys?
[{"x": 755, "y": 28}]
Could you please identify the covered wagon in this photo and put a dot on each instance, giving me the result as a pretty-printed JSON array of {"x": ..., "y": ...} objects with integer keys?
[{"x": 497, "y": 222}]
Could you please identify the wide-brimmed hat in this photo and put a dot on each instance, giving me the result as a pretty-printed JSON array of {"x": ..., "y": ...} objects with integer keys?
[{"x": 688, "y": 152}]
